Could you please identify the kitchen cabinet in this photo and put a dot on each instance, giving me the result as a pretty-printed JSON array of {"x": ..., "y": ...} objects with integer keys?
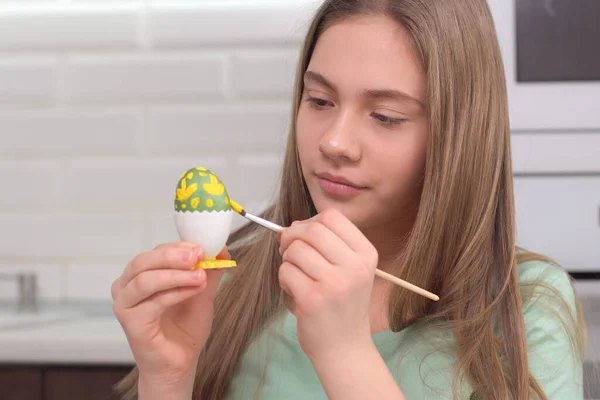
[
  {"x": 90, "y": 383},
  {"x": 20, "y": 383},
  {"x": 46, "y": 382},
  {"x": 559, "y": 216}
]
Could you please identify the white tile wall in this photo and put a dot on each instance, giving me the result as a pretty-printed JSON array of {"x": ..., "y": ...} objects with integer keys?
[
  {"x": 62, "y": 132},
  {"x": 104, "y": 103},
  {"x": 28, "y": 80},
  {"x": 55, "y": 27},
  {"x": 31, "y": 184},
  {"x": 145, "y": 77},
  {"x": 231, "y": 127}
]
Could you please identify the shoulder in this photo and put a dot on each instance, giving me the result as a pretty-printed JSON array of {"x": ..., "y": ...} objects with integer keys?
[
  {"x": 549, "y": 300},
  {"x": 553, "y": 332},
  {"x": 547, "y": 271},
  {"x": 544, "y": 282}
]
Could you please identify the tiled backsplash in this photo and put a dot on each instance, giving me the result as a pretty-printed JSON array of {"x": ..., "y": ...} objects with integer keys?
[{"x": 103, "y": 105}]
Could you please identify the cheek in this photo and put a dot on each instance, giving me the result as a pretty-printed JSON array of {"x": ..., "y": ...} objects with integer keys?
[
  {"x": 403, "y": 167},
  {"x": 306, "y": 137}
]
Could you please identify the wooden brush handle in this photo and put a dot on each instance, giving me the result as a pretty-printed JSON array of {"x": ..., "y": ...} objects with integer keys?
[{"x": 406, "y": 285}]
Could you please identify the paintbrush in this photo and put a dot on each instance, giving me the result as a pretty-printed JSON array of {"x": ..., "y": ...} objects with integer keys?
[{"x": 384, "y": 275}]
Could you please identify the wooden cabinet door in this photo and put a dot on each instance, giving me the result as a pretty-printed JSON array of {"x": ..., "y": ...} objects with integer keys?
[
  {"x": 20, "y": 383},
  {"x": 90, "y": 383}
]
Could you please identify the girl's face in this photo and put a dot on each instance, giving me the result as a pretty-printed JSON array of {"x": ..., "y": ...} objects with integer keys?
[{"x": 362, "y": 126}]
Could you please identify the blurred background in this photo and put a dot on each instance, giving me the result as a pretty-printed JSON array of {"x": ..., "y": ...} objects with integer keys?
[{"x": 103, "y": 104}]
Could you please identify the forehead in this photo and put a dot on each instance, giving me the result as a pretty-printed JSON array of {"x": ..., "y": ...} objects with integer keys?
[{"x": 369, "y": 52}]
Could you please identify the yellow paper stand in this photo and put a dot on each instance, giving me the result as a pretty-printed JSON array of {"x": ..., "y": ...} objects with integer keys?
[{"x": 215, "y": 264}]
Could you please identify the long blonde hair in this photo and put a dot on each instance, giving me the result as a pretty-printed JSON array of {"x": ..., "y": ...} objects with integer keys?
[{"x": 462, "y": 245}]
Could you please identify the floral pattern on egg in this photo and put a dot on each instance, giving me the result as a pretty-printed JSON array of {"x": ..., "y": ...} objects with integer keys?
[{"x": 200, "y": 190}]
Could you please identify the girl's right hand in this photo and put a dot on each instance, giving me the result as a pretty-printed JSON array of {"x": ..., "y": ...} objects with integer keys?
[{"x": 166, "y": 311}]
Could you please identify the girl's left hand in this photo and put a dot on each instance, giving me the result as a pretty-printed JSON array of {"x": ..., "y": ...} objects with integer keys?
[{"x": 328, "y": 270}]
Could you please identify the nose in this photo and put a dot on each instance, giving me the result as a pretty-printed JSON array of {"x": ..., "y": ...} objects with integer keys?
[{"x": 340, "y": 141}]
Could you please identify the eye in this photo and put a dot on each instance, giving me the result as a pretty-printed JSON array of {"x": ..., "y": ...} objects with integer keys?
[
  {"x": 318, "y": 103},
  {"x": 387, "y": 120}
]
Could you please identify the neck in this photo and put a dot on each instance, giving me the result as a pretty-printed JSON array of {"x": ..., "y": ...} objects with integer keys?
[{"x": 390, "y": 241}]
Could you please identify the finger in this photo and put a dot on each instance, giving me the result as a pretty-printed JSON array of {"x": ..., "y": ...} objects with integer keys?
[
  {"x": 224, "y": 254},
  {"x": 294, "y": 282},
  {"x": 322, "y": 239},
  {"x": 213, "y": 278},
  {"x": 343, "y": 228},
  {"x": 166, "y": 257},
  {"x": 115, "y": 288},
  {"x": 179, "y": 245},
  {"x": 148, "y": 283},
  {"x": 155, "y": 306},
  {"x": 309, "y": 260}
]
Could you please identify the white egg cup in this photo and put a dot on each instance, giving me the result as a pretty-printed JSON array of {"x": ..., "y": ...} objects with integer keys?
[{"x": 210, "y": 230}]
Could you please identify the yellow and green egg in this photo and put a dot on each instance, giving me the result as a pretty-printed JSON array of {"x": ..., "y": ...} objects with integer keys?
[{"x": 201, "y": 190}]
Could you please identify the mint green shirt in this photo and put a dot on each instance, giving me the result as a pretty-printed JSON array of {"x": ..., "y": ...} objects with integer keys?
[{"x": 422, "y": 368}]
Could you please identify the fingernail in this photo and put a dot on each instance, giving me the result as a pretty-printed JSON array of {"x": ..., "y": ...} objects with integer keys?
[{"x": 186, "y": 256}]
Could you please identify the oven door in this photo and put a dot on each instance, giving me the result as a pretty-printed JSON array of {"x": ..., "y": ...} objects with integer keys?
[{"x": 551, "y": 51}]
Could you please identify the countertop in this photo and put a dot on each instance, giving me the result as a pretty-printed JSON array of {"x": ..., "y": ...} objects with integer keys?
[
  {"x": 66, "y": 334},
  {"x": 81, "y": 334}
]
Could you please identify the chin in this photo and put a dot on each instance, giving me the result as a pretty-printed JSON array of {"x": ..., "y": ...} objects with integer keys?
[{"x": 356, "y": 213}]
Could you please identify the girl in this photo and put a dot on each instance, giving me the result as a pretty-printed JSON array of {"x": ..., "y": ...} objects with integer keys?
[{"x": 398, "y": 158}]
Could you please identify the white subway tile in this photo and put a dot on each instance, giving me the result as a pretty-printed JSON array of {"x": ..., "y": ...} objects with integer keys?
[
  {"x": 29, "y": 183},
  {"x": 223, "y": 23},
  {"x": 163, "y": 228},
  {"x": 131, "y": 184},
  {"x": 27, "y": 81},
  {"x": 71, "y": 234},
  {"x": 256, "y": 179},
  {"x": 48, "y": 277},
  {"x": 59, "y": 27},
  {"x": 264, "y": 73},
  {"x": 145, "y": 77},
  {"x": 224, "y": 129},
  {"x": 68, "y": 132},
  {"x": 92, "y": 281},
  {"x": 106, "y": 2}
]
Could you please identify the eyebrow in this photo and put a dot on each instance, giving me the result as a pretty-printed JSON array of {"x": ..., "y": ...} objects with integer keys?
[{"x": 391, "y": 94}]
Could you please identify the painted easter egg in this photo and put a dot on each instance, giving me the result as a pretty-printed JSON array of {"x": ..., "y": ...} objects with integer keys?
[{"x": 203, "y": 214}]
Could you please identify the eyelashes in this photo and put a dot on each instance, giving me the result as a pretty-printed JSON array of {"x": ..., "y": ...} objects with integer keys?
[
  {"x": 321, "y": 104},
  {"x": 317, "y": 103},
  {"x": 387, "y": 120}
]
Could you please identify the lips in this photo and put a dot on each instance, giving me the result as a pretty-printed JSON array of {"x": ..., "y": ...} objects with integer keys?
[{"x": 340, "y": 180}]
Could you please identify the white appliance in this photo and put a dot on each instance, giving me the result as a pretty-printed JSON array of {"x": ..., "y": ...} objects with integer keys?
[{"x": 572, "y": 106}]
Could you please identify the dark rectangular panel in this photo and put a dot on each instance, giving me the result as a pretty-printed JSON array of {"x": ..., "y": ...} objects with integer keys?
[{"x": 558, "y": 40}]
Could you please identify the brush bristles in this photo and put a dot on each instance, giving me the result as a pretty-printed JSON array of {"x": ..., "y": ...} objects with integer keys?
[{"x": 237, "y": 208}]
